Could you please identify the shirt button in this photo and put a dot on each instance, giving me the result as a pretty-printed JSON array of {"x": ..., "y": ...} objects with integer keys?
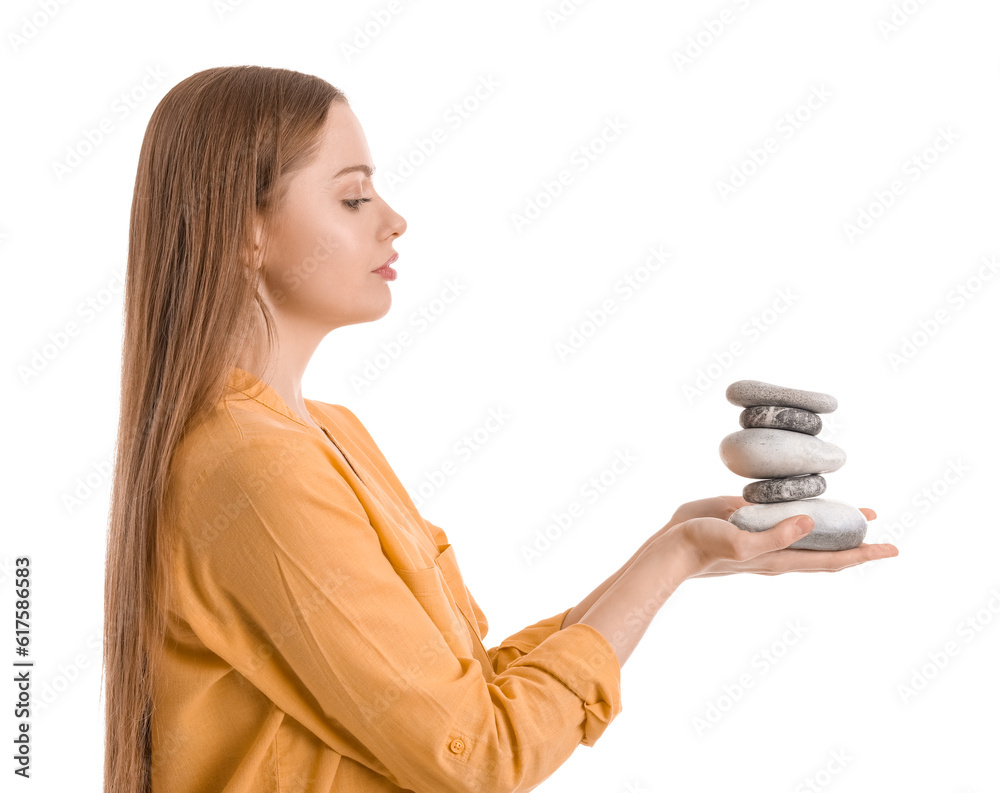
[{"x": 457, "y": 745}]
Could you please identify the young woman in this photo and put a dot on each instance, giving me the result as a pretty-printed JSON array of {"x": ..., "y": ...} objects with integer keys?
[{"x": 279, "y": 616}]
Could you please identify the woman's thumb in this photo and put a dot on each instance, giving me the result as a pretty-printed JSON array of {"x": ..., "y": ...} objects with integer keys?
[{"x": 791, "y": 529}]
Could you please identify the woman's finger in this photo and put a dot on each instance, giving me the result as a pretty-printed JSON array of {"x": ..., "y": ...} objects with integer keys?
[
  {"x": 797, "y": 560},
  {"x": 779, "y": 536}
]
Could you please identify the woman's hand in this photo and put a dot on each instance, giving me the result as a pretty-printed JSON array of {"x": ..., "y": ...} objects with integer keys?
[
  {"x": 718, "y": 507},
  {"x": 716, "y": 547}
]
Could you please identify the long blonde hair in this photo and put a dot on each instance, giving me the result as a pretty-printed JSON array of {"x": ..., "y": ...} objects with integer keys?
[{"x": 216, "y": 152}]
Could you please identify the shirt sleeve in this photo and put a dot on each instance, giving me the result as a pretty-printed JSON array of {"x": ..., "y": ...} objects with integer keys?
[
  {"x": 521, "y": 643},
  {"x": 524, "y": 641},
  {"x": 281, "y": 573},
  {"x": 517, "y": 644}
]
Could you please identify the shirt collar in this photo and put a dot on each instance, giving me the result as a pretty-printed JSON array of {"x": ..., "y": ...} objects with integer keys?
[{"x": 252, "y": 386}]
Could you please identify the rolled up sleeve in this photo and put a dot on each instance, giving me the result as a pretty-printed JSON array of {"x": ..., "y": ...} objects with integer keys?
[
  {"x": 524, "y": 641},
  {"x": 281, "y": 573}
]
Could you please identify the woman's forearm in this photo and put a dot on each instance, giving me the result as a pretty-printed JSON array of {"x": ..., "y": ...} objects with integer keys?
[
  {"x": 622, "y": 613},
  {"x": 584, "y": 605}
]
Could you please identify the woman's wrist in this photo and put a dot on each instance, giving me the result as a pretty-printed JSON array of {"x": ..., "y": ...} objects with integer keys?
[
  {"x": 672, "y": 549},
  {"x": 674, "y": 546},
  {"x": 623, "y": 612}
]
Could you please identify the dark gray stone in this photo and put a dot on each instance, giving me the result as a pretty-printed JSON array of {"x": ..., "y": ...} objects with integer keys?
[
  {"x": 750, "y": 393},
  {"x": 781, "y": 418},
  {"x": 789, "y": 488}
]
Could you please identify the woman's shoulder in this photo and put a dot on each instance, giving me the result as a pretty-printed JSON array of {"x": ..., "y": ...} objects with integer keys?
[
  {"x": 340, "y": 411},
  {"x": 346, "y": 420},
  {"x": 348, "y": 427},
  {"x": 238, "y": 434}
]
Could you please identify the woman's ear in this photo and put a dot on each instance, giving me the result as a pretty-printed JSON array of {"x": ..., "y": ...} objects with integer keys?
[{"x": 257, "y": 255}]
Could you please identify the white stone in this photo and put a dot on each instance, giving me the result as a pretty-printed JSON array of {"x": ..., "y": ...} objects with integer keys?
[
  {"x": 764, "y": 453},
  {"x": 839, "y": 526}
]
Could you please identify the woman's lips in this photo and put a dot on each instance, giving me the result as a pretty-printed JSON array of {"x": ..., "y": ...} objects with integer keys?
[{"x": 386, "y": 271}]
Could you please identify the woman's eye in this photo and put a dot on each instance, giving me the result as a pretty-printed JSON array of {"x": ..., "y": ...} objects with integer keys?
[{"x": 355, "y": 203}]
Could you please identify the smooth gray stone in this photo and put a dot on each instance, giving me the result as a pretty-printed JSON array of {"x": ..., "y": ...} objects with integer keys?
[
  {"x": 781, "y": 418},
  {"x": 765, "y": 454},
  {"x": 839, "y": 526},
  {"x": 750, "y": 393},
  {"x": 789, "y": 488}
]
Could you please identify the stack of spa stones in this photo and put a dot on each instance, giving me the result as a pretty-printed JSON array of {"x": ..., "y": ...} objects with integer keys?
[{"x": 779, "y": 447}]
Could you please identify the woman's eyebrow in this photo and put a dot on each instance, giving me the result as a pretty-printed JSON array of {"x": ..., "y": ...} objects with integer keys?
[{"x": 367, "y": 170}]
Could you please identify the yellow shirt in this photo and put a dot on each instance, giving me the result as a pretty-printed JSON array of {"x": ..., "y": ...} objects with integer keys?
[{"x": 321, "y": 637}]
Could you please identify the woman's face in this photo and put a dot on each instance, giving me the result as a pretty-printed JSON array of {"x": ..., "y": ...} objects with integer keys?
[{"x": 332, "y": 231}]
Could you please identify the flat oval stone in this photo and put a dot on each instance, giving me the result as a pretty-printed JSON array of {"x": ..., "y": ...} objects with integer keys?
[
  {"x": 750, "y": 393},
  {"x": 765, "y": 454},
  {"x": 781, "y": 418},
  {"x": 839, "y": 526},
  {"x": 790, "y": 488}
]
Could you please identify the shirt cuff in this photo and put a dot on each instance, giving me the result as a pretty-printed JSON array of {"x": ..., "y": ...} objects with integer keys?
[
  {"x": 524, "y": 641},
  {"x": 583, "y": 660}
]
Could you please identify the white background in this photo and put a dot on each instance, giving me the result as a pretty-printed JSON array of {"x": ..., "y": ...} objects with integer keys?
[{"x": 649, "y": 380}]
